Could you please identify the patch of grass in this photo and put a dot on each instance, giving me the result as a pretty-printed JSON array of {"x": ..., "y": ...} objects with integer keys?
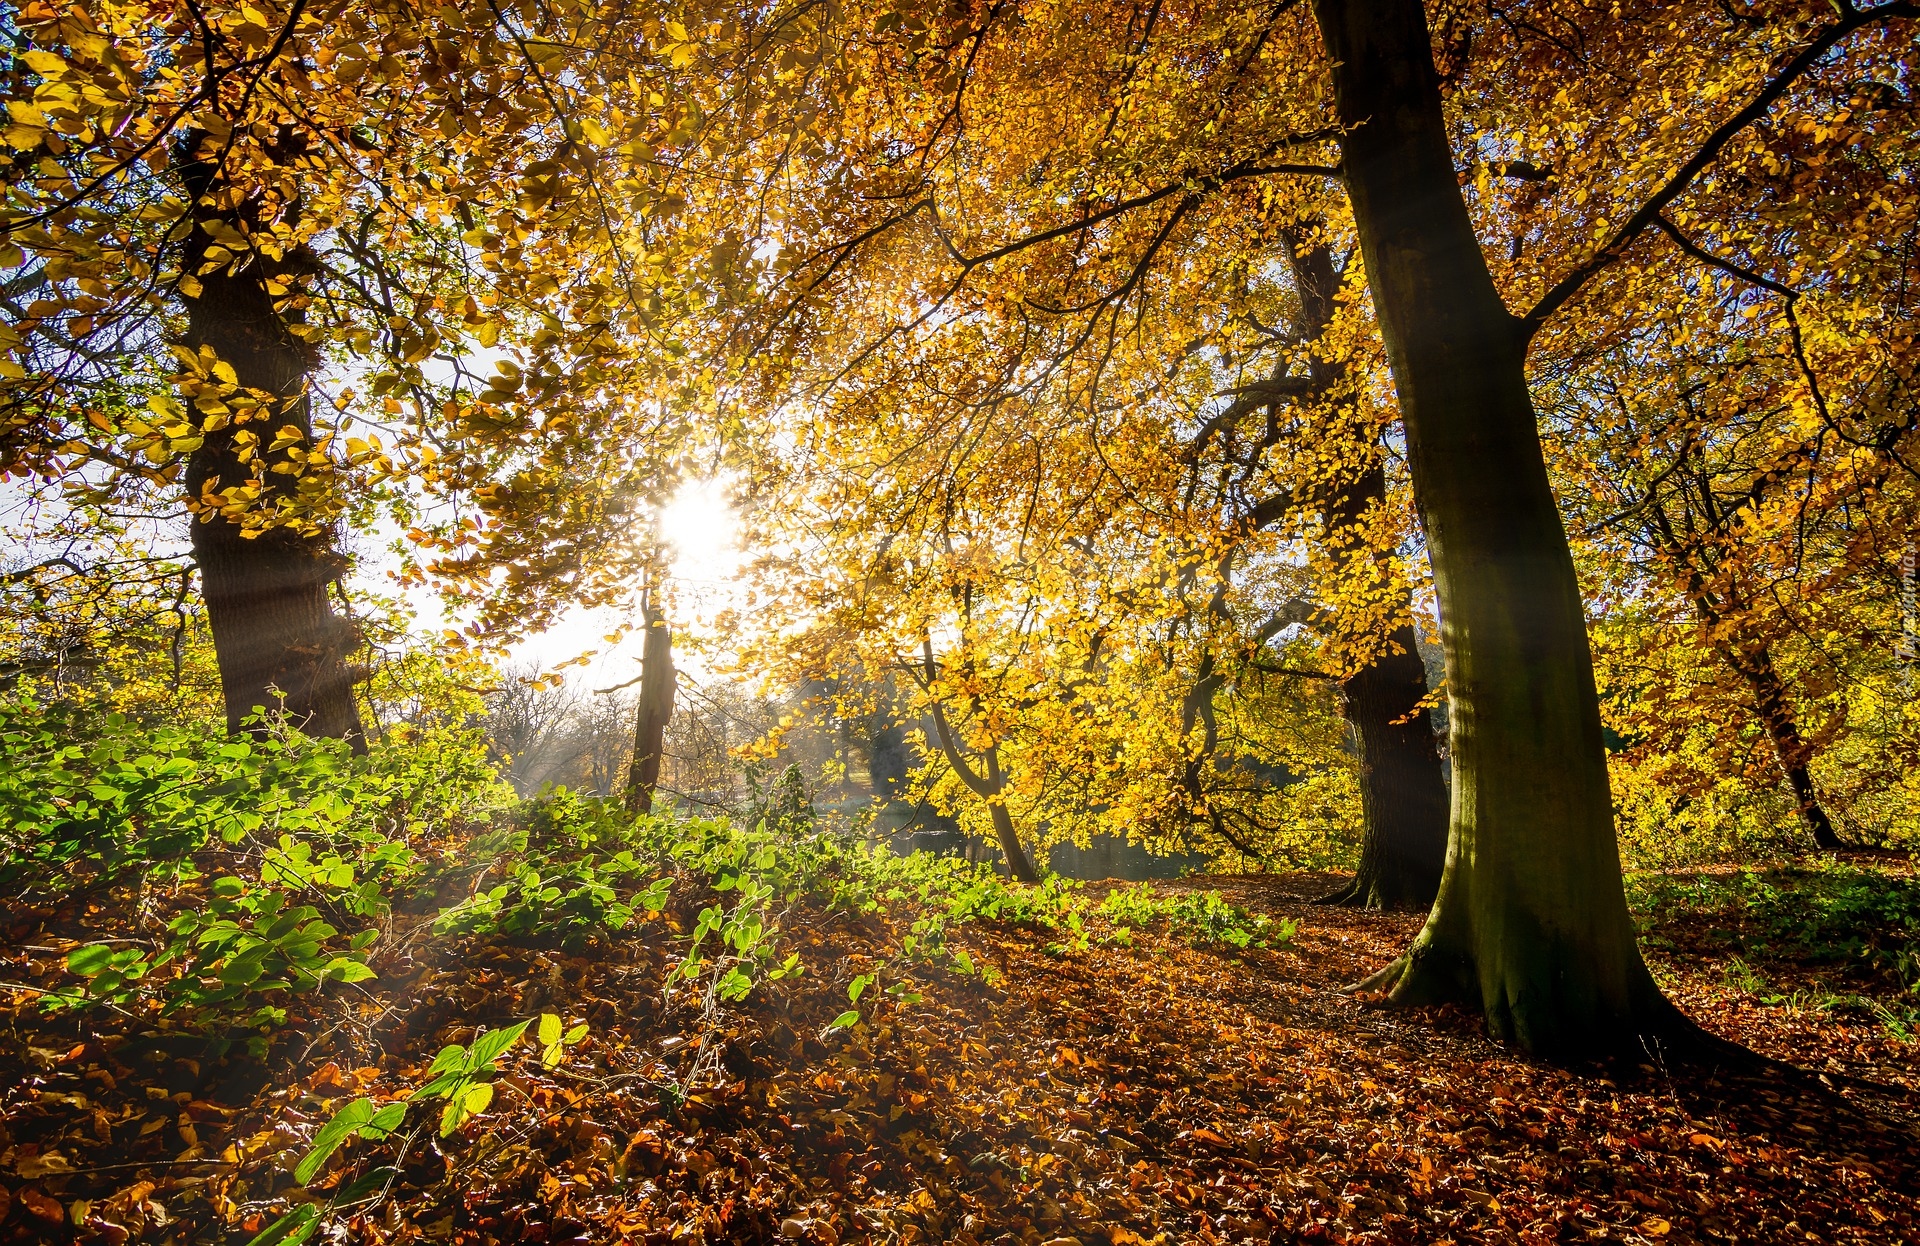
[{"x": 1856, "y": 927}]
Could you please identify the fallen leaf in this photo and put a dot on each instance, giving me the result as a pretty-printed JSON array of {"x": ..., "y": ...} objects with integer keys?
[
  {"x": 42, "y": 1207},
  {"x": 51, "y": 1164}
]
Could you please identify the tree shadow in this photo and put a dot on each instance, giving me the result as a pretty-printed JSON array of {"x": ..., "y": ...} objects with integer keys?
[{"x": 1765, "y": 1103}]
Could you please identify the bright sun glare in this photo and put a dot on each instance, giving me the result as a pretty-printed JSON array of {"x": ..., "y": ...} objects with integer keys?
[{"x": 700, "y": 525}]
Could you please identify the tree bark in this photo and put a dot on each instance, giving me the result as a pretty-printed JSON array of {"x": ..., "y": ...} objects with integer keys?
[
  {"x": 278, "y": 643},
  {"x": 1403, "y": 793},
  {"x": 1531, "y": 922},
  {"x": 1775, "y": 710},
  {"x": 657, "y": 678}
]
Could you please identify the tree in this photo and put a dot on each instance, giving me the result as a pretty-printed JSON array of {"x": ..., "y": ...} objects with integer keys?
[
  {"x": 1531, "y": 922},
  {"x": 1384, "y": 692},
  {"x": 1070, "y": 244},
  {"x": 280, "y": 644},
  {"x": 655, "y": 708},
  {"x": 288, "y": 194},
  {"x": 989, "y": 782}
]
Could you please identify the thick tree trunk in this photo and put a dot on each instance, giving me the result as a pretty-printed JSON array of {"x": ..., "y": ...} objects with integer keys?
[
  {"x": 277, "y": 640},
  {"x": 1775, "y": 711},
  {"x": 1403, "y": 792},
  {"x": 657, "y": 678},
  {"x": 1531, "y": 923},
  {"x": 1403, "y": 795}
]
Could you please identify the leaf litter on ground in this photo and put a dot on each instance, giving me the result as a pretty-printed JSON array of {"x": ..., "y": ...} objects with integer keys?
[{"x": 1145, "y": 1087}]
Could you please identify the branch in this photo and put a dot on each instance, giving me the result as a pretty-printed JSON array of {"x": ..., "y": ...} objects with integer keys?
[
  {"x": 1202, "y": 184},
  {"x": 977, "y": 785},
  {"x": 1852, "y": 19},
  {"x": 1787, "y": 293}
]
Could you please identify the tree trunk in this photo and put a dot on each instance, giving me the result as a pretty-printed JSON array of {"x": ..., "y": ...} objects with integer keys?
[
  {"x": 656, "y": 707},
  {"x": 1019, "y": 865},
  {"x": 1403, "y": 796},
  {"x": 277, "y": 640},
  {"x": 1531, "y": 923},
  {"x": 1775, "y": 712},
  {"x": 1771, "y": 703},
  {"x": 1403, "y": 793},
  {"x": 990, "y": 787}
]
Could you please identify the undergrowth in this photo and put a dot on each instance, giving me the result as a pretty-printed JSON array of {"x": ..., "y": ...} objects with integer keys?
[
  {"x": 216, "y": 889},
  {"x": 1850, "y": 935},
  {"x": 262, "y": 869}
]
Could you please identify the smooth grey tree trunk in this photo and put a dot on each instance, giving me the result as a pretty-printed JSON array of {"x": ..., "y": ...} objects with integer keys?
[{"x": 1531, "y": 924}]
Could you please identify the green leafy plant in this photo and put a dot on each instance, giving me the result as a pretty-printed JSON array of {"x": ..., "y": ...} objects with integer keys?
[
  {"x": 855, "y": 990},
  {"x": 1199, "y": 916},
  {"x": 246, "y": 945},
  {"x": 554, "y": 1040},
  {"x": 87, "y": 800},
  {"x": 455, "y": 1077}
]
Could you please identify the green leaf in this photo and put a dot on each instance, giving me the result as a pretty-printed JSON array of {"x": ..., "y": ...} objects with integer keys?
[
  {"x": 334, "y": 1134},
  {"x": 365, "y": 1186},
  {"x": 474, "y": 1098},
  {"x": 845, "y": 1019},
  {"x": 444, "y": 1086},
  {"x": 90, "y": 960},
  {"x": 490, "y": 1045},
  {"x": 549, "y": 1031},
  {"x": 296, "y": 1226},
  {"x": 858, "y": 987},
  {"x": 343, "y": 969},
  {"x": 452, "y": 1056},
  {"x": 385, "y": 1121}
]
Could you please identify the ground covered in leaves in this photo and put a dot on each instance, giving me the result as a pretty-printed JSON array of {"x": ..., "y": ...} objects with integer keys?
[{"x": 1092, "y": 1089}]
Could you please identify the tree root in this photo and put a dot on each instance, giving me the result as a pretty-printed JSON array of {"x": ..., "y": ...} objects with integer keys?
[{"x": 1349, "y": 894}]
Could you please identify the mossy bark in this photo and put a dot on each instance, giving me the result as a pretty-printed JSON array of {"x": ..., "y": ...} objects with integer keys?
[{"x": 1531, "y": 923}]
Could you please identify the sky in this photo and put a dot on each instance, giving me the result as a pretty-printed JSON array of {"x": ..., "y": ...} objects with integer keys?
[{"x": 702, "y": 529}]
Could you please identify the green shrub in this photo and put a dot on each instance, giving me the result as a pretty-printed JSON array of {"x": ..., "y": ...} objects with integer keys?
[
  {"x": 283, "y": 855},
  {"x": 89, "y": 800},
  {"x": 1199, "y": 916},
  {"x": 306, "y": 845}
]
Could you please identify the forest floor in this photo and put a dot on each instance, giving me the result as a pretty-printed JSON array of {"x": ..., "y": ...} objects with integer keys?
[{"x": 1099, "y": 1093}]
